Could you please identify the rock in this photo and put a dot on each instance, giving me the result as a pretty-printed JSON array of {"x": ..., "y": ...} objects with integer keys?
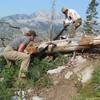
[
  {"x": 1, "y": 79},
  {"x": 87, "y": 74},
  {"x": 68, "y": 75},
  {"x": 1, "y": 51},
  {"x": 30, "y": 90},
  {"x": 14, "y": 98},
  {"x": 57, "y": 70},
  {"x": 19, "y": 95},
  {"x": 36, "y": 98},
  {"x": 80, "y": 60}
]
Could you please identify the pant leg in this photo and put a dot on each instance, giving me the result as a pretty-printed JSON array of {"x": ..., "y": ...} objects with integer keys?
[
  {"x": 24, "y": 66},
  {"x": 75, "y": 25},
  {"x": 11, "y": 54}
]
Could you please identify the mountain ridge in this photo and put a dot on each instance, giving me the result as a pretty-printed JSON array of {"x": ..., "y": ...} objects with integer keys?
[{"x": 39, "y": 21}]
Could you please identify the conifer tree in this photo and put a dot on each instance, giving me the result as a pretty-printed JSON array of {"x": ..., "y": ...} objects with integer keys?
[{"x": 90, "y": 23}]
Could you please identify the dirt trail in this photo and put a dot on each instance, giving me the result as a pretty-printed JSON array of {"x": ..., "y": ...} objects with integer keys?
[{"x": 64, "y": 89}]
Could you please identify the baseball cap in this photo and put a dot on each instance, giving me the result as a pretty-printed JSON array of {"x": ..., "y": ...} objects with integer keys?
[{"x": 28, "y": 32}]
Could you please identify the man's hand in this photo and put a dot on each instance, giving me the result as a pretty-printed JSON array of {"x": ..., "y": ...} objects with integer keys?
[
  {"x": 51, "y": 46},
  {"x": 65, "y": 24},
  {"x": 31, "y": 49}
]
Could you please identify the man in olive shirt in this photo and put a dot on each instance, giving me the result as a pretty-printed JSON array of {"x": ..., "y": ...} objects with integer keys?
[{"x": 15, "y": 51}]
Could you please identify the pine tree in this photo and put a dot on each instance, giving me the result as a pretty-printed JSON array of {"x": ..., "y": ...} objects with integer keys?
[{"x": 90, "y": 23}]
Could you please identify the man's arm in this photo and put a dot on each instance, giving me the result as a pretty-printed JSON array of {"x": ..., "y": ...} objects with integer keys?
[{"x": 21, "y": 47}]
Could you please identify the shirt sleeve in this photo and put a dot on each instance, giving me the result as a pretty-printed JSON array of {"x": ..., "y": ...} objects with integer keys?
[
  {"x": 74, "y": 13},
  {"x": 26, "y": 41}
]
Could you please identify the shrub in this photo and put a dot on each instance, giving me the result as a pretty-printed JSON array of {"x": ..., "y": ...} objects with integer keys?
[
  {"x": 37, "y": 74},
  {"x": 5, "y": 93},
  {"x": 91, "y": 90}
]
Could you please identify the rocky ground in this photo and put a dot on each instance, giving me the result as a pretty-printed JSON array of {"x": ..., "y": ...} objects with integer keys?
[{"x": 66, "y": 79}]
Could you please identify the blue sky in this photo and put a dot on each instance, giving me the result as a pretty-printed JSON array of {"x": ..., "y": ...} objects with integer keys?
[{"x": 10, "y": 7}]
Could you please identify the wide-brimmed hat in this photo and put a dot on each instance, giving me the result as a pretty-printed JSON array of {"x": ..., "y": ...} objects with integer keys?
[{"x": 64, "y": 9}]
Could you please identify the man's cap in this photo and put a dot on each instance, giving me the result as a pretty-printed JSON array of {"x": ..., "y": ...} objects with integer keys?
[
  {"x": 28, "y": 32},
  {"x": 64, "y": 9},
  {"x": 32, "y": 32}
]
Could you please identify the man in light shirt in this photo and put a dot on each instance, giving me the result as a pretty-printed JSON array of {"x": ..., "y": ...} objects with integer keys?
[{"x": 71, "y": 17}]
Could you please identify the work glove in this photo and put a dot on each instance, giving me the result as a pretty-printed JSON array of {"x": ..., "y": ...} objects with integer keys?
[
  {"x": 31, "y": 49},
  {"x": 65, "y": 24},
  {"x": 51, "y": 46}
]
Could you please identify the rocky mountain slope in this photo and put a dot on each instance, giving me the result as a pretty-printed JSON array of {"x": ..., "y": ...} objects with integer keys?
[{"x": 39, "y": 21}]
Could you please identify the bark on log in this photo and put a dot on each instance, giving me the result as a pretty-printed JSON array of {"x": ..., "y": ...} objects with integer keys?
[
  {"x": 85, "y": 42},
  {"x": 72, "y": 45}
]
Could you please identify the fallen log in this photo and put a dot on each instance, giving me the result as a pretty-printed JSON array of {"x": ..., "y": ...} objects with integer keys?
[
  {"x": 68, "y": 45},
  {"x": 71, "y": 45}
]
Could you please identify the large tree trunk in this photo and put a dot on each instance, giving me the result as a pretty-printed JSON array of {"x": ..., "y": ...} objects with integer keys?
[{"x": 85, "y": 42}]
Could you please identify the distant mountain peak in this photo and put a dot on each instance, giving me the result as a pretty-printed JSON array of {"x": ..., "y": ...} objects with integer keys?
[
  {"x": 39, "y": 21},
  {"x": 40, "y": 14}
]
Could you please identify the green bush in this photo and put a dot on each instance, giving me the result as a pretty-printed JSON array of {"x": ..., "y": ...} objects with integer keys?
[
  {"x": 6, "y": 83},
  {"x": 37, "y": 74},
  {"x": 38, "y": 69},
  {"x": 5, "y": 93},
  {"x": 2, "y": 63},
  {"x": 92, "y": 88}
]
